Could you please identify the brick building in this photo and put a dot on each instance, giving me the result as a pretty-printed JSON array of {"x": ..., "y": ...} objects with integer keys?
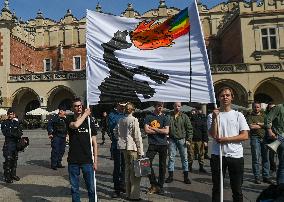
[{"x": 42, "y": 61}]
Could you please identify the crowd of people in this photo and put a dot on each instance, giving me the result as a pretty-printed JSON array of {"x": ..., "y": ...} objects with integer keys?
[{"x": 167, "y": 134}]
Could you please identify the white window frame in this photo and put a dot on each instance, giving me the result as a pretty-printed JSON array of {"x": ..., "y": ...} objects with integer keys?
[
  {"x": 268, "y": 36},
  {"x": 45, "y": 66},
  {"x": 74, "y": 62}
]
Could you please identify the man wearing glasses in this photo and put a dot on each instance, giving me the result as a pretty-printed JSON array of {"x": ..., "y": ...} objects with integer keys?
[{"x": 80, "y": 154}]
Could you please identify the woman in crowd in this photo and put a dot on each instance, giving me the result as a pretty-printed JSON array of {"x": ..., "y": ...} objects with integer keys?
[{"x": 130, "y": 142}]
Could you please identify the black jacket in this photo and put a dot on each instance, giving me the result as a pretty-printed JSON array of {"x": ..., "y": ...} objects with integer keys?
[{"x": 199, "y": 125}]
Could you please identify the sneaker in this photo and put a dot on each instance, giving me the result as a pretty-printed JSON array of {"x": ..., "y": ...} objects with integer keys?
[
  {"x": 257, "y": 181},
  {"x": 60, "y": 166},
  {"x": 53, "y": 168},
  {"x": 268, "y": 181},
  {"x": 8, "y": 180},
  {"x": 115, "y": 194},
  {"x": 153, "y": 190},
  {"x": 161, "y": 191},
  {"x": 17, "y": 178}
]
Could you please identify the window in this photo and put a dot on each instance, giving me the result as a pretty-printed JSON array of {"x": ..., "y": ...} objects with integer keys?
[
  {"x": 77, "y": 62},
  {"x": 269, "y": 38},
  {"x": 47, "y": 65}
]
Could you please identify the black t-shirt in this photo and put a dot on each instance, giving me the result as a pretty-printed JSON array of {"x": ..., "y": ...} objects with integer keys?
[
  {"x": 157, "y": 121},
  {"x": 79, "y": 142}
]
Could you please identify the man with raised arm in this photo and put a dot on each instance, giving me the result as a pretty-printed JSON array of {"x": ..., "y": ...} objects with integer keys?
[{"x": 80, "y": 153}]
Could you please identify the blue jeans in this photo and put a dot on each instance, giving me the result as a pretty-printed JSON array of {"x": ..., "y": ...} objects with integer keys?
[
  {"x": 280, "y": 171},
  {"x": 179, "y": 144},
  {"x": 259, "y": 150},
  {"x": 88, "y": 175}
]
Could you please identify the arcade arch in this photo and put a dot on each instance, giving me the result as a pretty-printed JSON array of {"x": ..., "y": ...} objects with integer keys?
[
  {"x": 24, "y": 100},
  {"x": 270, "y": 90},
  {"x": 240, "y": 93},
  {"x": 60, "y": 95}
]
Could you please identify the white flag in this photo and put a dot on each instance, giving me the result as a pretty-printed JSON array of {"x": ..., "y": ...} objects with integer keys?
[{"x": 136, "y": 60}]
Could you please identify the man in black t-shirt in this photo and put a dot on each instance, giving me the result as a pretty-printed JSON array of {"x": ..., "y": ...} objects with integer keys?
[
  {"x": 80, "y": 153},
  {"x": 157, "y": 128}
]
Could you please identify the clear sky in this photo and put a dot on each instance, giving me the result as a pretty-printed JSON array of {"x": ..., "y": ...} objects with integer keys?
[{"x": 56, "y": 9}]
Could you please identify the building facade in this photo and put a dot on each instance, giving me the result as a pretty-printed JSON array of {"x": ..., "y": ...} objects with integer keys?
[{"x": 42, "y": 62}]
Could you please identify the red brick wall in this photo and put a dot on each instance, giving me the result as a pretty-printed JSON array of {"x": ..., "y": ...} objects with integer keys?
[
  {"x": 1, "y": 49},
  {"x": 27, "y": 57},
  {"x": 231, "y": 44}
]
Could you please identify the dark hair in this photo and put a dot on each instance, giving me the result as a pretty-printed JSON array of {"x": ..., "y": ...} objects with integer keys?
[
  {"x": 226, "y": 88},
  {"x": 77, "y": 99},
  {"x": 158, "y": 103},
  {"x": 62, "y": 107},
  {"x": 10, "y": 110}
]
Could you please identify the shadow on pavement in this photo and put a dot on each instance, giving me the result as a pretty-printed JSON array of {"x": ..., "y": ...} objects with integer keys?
[
  {"x": 185, "y": 195},
  {"x": 31, "y": 192},
  {"x": 42, "y": 163}
]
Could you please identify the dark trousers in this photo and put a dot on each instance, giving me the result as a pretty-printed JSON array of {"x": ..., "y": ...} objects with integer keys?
[
  {"x": 10, "y": 154},
  {"x": 58, "y": 145},
  {"x": 151, "y": 153},
  {"x": 118, "y": 170},
  {"x": 236, "y": 171},
  {"x": 104, "y": 132}
]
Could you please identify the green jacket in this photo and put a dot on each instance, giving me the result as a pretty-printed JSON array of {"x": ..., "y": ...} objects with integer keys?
[
  {"x": 275, "y": 119},
  {"x": 180, "y": 127},
  {"x": 253, "y": 119}
]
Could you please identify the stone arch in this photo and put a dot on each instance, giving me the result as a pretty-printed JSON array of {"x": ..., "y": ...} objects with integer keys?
[
  {"x": 24, "y": 100},
  {"x": 59, "y": 95},
  {"x": 240, "y": 93},
  {"x": 270, "y": 90}
]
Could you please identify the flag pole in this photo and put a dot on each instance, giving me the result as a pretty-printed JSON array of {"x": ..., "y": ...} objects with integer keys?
[
  {"x": 220, "y": 157},
  {"x": 91, "y": 142},
  {"x": 215, "y": 106}
]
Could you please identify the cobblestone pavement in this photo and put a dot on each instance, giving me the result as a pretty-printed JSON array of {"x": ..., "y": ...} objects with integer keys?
[{"x": 40, "y": 183}]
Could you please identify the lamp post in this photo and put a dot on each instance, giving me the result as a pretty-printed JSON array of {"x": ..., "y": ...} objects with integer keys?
[
  {"x": 1, "y": 99},
  {"x": 250, "y": 100}
]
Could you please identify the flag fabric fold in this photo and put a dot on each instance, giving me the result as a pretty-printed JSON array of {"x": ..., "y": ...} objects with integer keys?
[{"x": 147, "y": 60}]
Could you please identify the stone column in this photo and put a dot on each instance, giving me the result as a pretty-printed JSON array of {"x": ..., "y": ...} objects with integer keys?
[{"x": 204, "y": 108}]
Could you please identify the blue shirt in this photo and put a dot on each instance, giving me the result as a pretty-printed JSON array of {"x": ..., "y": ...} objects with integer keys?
[
  {"x": 157, "y": 121},
  {"x": 113, "y": 119}
]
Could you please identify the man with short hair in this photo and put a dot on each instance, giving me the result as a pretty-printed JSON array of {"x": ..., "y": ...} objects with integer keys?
[
  {"x": 80, "y": 156},
  {"x": 180, "y": 133},
  {"x": 117, "y": 155},
  {"x": 274, "y": 123},
  {"x": 12, "y": 131},
  {"x": 258, "y": 148},
  {"x": 57, "y": 132},
  {"x": 229, "y": 129},
  {"x": 156, "y": 126}
]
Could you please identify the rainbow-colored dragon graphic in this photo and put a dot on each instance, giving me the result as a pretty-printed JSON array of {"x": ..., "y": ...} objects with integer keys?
[{"x": 149, "y": 35}]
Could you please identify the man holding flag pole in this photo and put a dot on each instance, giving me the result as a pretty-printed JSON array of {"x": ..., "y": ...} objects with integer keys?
[{"x": 229, "y": 129}]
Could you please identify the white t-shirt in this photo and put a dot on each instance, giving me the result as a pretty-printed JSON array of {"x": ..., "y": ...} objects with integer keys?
[{"x": 231, "y": 123}]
